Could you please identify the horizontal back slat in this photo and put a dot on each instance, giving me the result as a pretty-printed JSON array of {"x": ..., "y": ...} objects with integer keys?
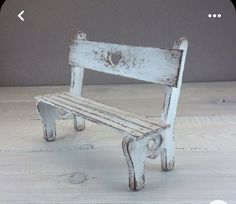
[{"x": 142, "y": 63}]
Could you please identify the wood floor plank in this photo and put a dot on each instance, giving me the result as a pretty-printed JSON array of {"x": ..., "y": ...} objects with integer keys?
[
  {"x": 80, "y": 177},
  {"x": 89, "y": 167}
]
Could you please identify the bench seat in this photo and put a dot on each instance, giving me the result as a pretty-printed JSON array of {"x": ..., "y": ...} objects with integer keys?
[{"x": 131, "y": 124}]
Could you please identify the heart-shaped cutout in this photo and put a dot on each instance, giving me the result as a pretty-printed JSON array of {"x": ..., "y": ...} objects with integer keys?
[{"x": 114, "y": 58}]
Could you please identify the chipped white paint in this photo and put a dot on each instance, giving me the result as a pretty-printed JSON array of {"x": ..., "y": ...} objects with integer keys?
[
  {"x": 136, "y": 127},
  {"x": 143, "y": 138},
  {"x": 77, "y": 75},
  {"x": 147, "y": 64},
  {"x": 48, "y": 114},
  {"x": 136, "y": 151},
  {"x": 169, "y": 112}
]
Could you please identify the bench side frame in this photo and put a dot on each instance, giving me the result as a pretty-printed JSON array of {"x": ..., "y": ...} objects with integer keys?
[{"x": 169, "y": 111}]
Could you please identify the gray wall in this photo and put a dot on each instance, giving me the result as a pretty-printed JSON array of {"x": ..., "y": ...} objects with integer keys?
[{"x": 35, "y": 52}]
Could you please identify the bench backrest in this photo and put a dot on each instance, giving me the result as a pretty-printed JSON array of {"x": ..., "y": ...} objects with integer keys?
[
  {"x": 163, "y": 66},
  {"x": 155, "y": 65}
]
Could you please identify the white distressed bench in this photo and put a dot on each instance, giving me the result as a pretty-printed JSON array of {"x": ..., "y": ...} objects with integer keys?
[{"x": 143, "y": 138}]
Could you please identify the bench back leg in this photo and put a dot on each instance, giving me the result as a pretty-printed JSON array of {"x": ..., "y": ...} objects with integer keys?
[
  {"x": 48, "y": 116},
  {"x": 77, "y": 75},
  {"x": 169, "y": 112}
]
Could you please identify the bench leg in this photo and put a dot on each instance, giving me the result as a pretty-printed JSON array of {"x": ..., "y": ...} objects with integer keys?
[
  {"x": 134, "y": 152},
  {"x": 48, "y": 116},
  {"x": 168, "y": 150},
  {"x": 79, "y": 123}
]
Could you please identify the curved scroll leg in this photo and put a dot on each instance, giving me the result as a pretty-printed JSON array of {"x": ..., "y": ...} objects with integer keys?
[
  {"x": 79, "y": 123},
  {"x": 134, "y": 152},
  {"x": 168, "y": 150},
  {"x": 48, "y": 116}
]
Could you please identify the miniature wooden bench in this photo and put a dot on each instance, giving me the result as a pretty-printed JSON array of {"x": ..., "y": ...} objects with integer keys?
[{"x": 143, "y": 138}]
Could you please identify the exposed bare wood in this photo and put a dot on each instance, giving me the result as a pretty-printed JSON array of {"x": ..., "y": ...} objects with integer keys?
[
  {"x": 77, "y": 75},
  {"x": 134, "y": 152},
  {"x": 128, "y": 115},
  {"x": 48, "y": 114},
  {"x": 135, "y": 118},
  {"x": 143, "y": 138},
  {"x": 129, "y": 125},
  {"x": 76, "y": 88},
  {"x": 169, "y": 112},
  {"x": 147, "y": 64}
]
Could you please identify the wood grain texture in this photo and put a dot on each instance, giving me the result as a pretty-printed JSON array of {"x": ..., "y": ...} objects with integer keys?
[
  {"x": 100, "y": 113},
  {"x": 48, "y": 115},
  {"x": 77, "y": 75},
  {"x": 168, "y": 116},
  {"x": 88, "y": 166},
  {"x": 134, "y": 152},
  {"x": 147, "y": 64}
]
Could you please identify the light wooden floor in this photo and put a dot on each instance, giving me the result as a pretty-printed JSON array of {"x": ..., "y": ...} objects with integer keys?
[{"x": 89, "y": 167}]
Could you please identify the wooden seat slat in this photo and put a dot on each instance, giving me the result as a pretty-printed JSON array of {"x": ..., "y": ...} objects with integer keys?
[
  {"x": 124, "y": 115},
  {"x": 132, "y": 126}
]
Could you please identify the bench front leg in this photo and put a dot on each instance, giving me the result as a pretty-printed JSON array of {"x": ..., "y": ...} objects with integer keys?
[
  {"x": 135, "y": 155},
  {"x": 48, "y": 114}
]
